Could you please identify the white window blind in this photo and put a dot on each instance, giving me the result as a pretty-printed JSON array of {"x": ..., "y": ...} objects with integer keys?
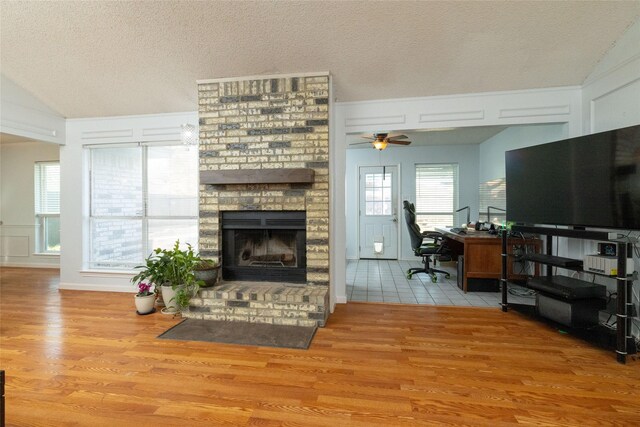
[
  {"x": 47, "y": 207},
  {"x": 493, "y": 193},
  {"x": 436, "y": 195},
  {"x": 142, "y": 197},
  {"x": 47, "y": 188}
]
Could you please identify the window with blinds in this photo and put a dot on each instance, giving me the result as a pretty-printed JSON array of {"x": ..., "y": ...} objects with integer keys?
[
  {"x": 436, "y": 195},
  {"x": 143, "y": 196},
  {"x": 47, "y": 206},
  {"x": 493, "y": 193}
]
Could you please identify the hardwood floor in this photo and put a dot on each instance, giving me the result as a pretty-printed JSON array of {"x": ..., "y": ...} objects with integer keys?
[{"x": 86, "y": 358}]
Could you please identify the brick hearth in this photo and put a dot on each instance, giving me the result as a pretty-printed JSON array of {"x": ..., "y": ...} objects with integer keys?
[{"x": 262, "y": 303}]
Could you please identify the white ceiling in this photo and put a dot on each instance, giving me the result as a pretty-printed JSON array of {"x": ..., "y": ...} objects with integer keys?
[{"x": 100, "y": 58}]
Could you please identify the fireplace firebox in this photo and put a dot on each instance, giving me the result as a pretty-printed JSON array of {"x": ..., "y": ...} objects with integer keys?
[{"x": 264, "y": 246}]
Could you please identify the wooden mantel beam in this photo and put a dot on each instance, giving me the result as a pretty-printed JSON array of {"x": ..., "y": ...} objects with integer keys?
[{"x": 258, "y": 176}]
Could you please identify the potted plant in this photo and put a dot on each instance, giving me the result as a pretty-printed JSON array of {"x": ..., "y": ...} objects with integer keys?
[
  {"x": 173, "y": 271},
  {"x": 145, "y": 299},
  {"x": 207, "y": 271}
]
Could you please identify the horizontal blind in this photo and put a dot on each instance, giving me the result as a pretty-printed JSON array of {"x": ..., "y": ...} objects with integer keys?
[
  {"x": 47, "y": 188},
  {"x": 493, "y": 193},
  {"x": 143, "y": 196},
  {"x": 436, "y": 188}
]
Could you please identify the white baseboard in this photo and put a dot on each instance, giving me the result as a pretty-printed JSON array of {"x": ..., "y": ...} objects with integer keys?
[
  {"x": 341, "y": 299},
  {"x": 94, "y": 287},
  {"x": 29, "y": 265}
]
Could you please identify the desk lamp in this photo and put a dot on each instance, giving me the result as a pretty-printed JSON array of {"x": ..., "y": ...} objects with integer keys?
[
  {"x": 489, "y": 212},
  {"x": 468, "y": 214}
]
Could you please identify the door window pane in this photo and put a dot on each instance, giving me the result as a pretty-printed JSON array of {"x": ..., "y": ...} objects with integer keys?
[{"x": 378, "y": 194}]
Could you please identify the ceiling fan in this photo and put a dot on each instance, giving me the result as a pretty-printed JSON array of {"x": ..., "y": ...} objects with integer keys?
[{"x": 380, "y": 140}]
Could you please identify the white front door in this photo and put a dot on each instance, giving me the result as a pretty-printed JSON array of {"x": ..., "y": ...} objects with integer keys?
[{"x": 378, "y": 212}]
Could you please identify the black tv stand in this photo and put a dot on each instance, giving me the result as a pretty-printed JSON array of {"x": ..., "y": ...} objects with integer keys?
[{"x": 624, "y": 344}]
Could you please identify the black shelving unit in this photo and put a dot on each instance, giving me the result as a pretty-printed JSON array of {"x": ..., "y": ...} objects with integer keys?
[{"x": 625, "y": 344}]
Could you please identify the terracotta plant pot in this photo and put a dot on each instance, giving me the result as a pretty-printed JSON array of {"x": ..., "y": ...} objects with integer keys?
[{"x": 145, "y": 304}]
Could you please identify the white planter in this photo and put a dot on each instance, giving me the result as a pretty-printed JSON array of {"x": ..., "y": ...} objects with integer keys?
[
  {"x": 144, "y": 305},
  {"x": 168, "y": 294}
]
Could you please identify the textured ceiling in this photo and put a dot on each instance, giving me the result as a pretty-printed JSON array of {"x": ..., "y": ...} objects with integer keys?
[{"x": 104, "y": 58}]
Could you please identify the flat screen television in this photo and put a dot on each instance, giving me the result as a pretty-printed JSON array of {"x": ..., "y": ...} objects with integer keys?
[{"x": 588, "y": 181}]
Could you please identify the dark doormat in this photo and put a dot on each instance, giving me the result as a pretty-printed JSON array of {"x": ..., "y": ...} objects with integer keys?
[{"x": 243, "y": 333}]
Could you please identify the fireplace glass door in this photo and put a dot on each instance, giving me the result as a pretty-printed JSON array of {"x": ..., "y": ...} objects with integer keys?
[{"x": 264, "y": 246}]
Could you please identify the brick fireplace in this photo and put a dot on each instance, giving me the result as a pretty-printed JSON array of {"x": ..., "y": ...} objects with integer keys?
[{"x": 264, "y": 147}]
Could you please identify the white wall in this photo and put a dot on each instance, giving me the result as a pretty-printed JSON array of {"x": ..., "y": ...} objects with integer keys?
[
  {"x": 611, "y": 93},
  {"x": 466, "y": 156},
  {"x": 492, "y": 151},
  {"x": 74, "y": 181},
  {"x": 543, "y": 106},
  {"x": 24, "y": 115},
  {"x": 17, "y": 210}
]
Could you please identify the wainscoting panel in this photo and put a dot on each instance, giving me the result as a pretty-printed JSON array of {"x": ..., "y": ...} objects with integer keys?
[{"x": 14, "y": 246}]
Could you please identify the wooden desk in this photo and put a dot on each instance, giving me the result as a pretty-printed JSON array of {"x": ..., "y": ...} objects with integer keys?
[{"x": 482, "y": 254}]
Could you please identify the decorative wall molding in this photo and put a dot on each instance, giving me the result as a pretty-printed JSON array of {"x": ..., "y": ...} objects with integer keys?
[
  {"x": 595, "y": 77},
  {"x": 376, "y": 121},
  {"x": 451, "y": 116},
  {"x": 32, "y": 129},
  {"x": 106, "y": 134},
  {"x": 625, "y": 98},
  {"x": 14, "y": 246},
  {"x": 26, "y": 116},
  {"x": 172, "y": 132},
  {"x": 615, "y": 89},
  {"x": 552, "y": 110}
]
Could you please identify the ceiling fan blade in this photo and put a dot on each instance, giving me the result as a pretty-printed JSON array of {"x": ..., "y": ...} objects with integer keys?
[
  {"x": 397, "y": 137},
  {"x": 358, "y": 143},
  {"x": 400, "y": 142},
  {"x": 368, "y": 137}
]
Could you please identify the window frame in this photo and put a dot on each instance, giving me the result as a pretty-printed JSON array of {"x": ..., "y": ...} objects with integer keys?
[
  {"x": 144, "y": 217},
  {"x": 455, "y": 196},
  {"x": 382, "y": 202},
  {"x": 41, "y": 218}
]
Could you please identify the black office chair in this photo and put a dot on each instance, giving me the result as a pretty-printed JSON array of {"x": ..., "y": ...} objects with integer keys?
[{"x": 434, "y": 248}]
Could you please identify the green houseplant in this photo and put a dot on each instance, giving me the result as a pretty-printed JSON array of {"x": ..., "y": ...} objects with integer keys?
[{"x": 173, "y": 271}]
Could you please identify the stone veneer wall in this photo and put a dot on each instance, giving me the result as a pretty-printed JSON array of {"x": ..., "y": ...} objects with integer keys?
[{"x": 273, "y": 123}]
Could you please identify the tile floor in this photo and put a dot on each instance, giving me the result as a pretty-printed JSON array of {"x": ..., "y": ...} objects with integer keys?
[{"x": 385, "y": 281}]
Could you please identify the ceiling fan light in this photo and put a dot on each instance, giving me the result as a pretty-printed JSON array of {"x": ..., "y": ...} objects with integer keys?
[{"x": 380, "y": 145}]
